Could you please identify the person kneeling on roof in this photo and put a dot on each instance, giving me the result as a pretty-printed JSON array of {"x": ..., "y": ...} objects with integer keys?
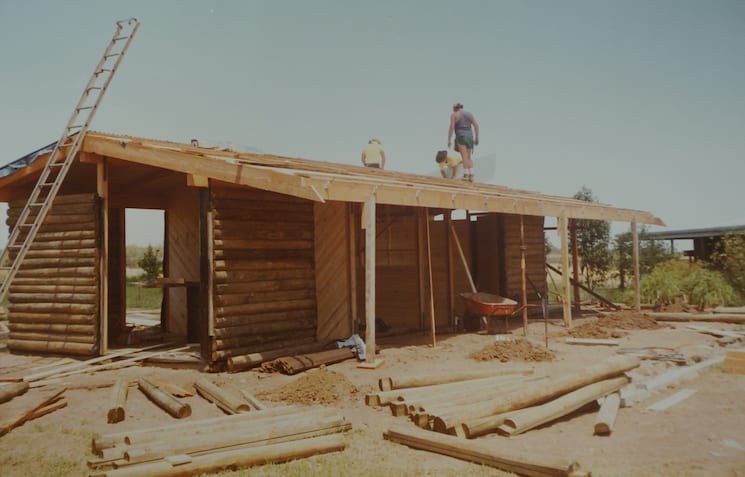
[
  {"x": 373, "y": 154},
  {"x": 449, "y": 163}
]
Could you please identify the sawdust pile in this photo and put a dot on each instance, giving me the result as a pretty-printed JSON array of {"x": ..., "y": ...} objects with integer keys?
[
  {"x": 608, "y": 326},
  {"x": 314, "y": 387},
  {"x": 518, "y": 350}
]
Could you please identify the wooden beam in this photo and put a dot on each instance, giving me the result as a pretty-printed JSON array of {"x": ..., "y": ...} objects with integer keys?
[
  {"x": 523, "y": 277},
  {"x": 368, "y": 222},
  {"x": 352, "y": 235},
  {"x": 575, "y": 263},
  {"x": 429, "y": 280},
  {"x": 89, "y": 158},
  {"x": 566, "y": 290},
  {"x": 102, "y": 189},
  {"x": 635, "y": 260},
  {"x": 193, "y": 180}
]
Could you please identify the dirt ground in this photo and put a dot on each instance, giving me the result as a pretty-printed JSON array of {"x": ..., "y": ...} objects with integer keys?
[{"x": 702, "y": 436}]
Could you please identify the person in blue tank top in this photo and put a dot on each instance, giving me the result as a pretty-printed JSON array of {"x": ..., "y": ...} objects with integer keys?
[{"x": 466, "y": 130}]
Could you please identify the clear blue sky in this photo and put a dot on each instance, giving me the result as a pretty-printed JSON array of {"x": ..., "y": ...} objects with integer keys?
[{"x": 643, "y": 101}]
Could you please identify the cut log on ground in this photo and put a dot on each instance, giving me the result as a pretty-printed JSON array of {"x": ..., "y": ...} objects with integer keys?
[
  {"x": 248, "y": 361},
  {"x": 165, "y": 401},
  {"x": 415, "y": 381},
  {"x": 118, "y": 439},
  {"x": 228, "y": 400},
  {"x": 635, "y": 393},
  {"x": 118, "y": 401},
  {"x": 297, "y": 364},
  {"x": 535, "y": 416},
  {"x": 738, "y": 319},
  {"x": 671, "y": 401},
  {"x": 11, "y": 390},
  {"x": 234, "y": 459},
  {"x": 537, "y": 465},
  {"x": 536, "y": 393},
  {"x": 607, "y": 415},
  {"x": 591, "y": 342},
  {"x": 28, "y": 415},
  {"x": 253, "y": 400}
]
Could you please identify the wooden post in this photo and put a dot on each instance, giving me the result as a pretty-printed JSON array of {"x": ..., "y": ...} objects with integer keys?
[
  {"x": 562, "y": 229},
  {"x": 635, "y": 259},
  {"x": 102, "y": 188},
  {"x": 368, "y": 222},
  {"x": 429, "y": 278},
  {"x": 575, "y": 263},
  {"x": 421, "y": 246},
  {"x": 523, "y": 276},
  {"x": 449, "y": 263},
  {"x": 352, "y": 235}
]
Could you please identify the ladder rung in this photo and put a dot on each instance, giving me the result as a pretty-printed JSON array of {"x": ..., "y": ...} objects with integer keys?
[
  {"x": 56, "y": 164},
  {"x": 15, "y": 246},
  {"x": 25, "y": 225},
  {"x": 121, "y": 38},
  {"x": 84, "y": 107},
  {"x": 5, "y": 268},
  {"x": 36, "y": 204},
  {"x": 77, "y": 126},
  {"x": 46, "y": 184},
  {"x": 93, "y": 87},
  {"x": 111, "y": 55}
]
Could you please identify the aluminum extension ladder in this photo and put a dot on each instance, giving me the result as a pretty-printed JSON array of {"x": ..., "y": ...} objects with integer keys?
[{"x": 35, "y": 211}]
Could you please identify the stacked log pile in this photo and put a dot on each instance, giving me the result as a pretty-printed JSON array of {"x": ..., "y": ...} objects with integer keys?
[
  {"x": 264, "y": 292},
  {"x": 209, "y": 445},
  {"x": 508, "y": 404},
  {"x": 54, "y": 299}
]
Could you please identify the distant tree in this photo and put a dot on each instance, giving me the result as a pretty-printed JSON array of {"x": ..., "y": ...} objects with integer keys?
[
  {"x": 151, "y": 263},
  {"x": 593, "y": 244},
  {"x": 651, "y": 252},
  {"x": 547, "y": 247}
]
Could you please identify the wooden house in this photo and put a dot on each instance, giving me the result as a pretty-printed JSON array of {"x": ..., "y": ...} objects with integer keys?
[{"x": 267, "y": 252}]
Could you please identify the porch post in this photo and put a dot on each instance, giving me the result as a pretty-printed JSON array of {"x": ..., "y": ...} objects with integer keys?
[
  {"x": 566, "y": 292},
  {"x": 635, "y": 259},
  {"x": 102, "y": 189},
  {"x": 368, "y": 223}
]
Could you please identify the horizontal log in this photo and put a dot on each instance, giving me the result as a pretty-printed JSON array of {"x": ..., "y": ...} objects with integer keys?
[
  {"x": 261, "y": 204},
  {"x": 245, "y": 276},
  {"x": 298, "y": 216},
  {"x": 164, "y": 400},
  {"x": 32, "y": 264},
  {"x": 263, "y": 346},
  {"x": 59, "y": 200},
  {"x": 87, "y": 298},
  {"x": 264, "y": 328},
  {"x": 10, "y": 390},
  {"x": 52, "y": 328},
  {"x": 265, "y": 307},
  {"x": 59, "y": 209},
  {"x": 58, "y": 337},
  {"x": 420, "y": 380},
  {"x": 45, "y": 287},
  {"x": 304, "y": 362},
  {"x": 238, "y": 244},
  {"x": 248, "y": 193},
  {"x": 52, "y": 318},
  {"x": 53, "y": 220},
  {"x": 48, "y": 228},
  {"x": 78, "y": 238},
  {"x": 80, "y": 349},
  {"x": 56, "y": 281},
  {"x": 736, "y": 318},
  {"x": 71, "y": 272},
  {"x": 264, "y": 297},
  {"x": 237, "y": 265},
  {"x": 66, "y": 308},
  {"x": 265, "y": 286},
  {"x": 271, "y": 231},
  {"x": 245, "y": 340},
  {"x": 264, "y": 254},
  {"x": 226, "y": 398},
  {"x": 60, "y": 253},
  {"x": 262, "y": 318}
]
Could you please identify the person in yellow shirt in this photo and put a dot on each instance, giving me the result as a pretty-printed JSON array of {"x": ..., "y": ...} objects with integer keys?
[
  {"x": 373, "y": 154},
  {"x": 449, "y": 163}
]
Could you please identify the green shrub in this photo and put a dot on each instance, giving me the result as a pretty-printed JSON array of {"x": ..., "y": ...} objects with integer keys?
[
  {"x": 662, "y": 286},
  {"x": 151, "y": 264},
  {"x": 706, "y": 288}
]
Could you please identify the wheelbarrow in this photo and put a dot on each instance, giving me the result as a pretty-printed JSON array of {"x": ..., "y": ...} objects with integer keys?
[{"x": 487, "y": 305}]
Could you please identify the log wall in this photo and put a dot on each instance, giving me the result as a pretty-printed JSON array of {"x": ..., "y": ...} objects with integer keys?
[
  {"x": 535, "y": 256},
  {"x": 54, "y": 299},
  {"x": 264, "y": 273},
  {"x": 182, "y": 235}
]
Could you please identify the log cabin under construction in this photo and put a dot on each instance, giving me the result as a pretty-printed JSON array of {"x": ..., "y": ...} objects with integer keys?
[{"x": 270, "y": 252}]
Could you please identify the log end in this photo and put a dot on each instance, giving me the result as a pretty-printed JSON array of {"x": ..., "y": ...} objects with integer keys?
[
  {"x": 115, "y": 415},
  {"x": 184, "y": 411},
  {"x": 602, "y": 429},
  {"x": 385, "y": 384},
  {"x": 372, "y": 400},
  {"x": 439, "y": 425}
]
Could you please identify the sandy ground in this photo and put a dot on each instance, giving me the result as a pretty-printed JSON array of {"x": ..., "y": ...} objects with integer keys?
[{"x": 702, "y": 436}]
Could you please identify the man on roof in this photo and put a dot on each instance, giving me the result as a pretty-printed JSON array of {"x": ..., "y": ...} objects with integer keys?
[
  {"x": 466, "y": 130},
  {"x": 373, "y": 154}
]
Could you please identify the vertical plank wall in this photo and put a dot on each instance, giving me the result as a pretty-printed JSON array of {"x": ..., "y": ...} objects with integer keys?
[
  {"x": 264, "y": 292},
  {"x": 535, "y": 255},
  {"x": 333, "y": 290},
  {"x": 54, "y": 299}
]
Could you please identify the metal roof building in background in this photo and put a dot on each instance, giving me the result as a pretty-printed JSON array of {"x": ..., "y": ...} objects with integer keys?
[{"x": 684, "y": 234}]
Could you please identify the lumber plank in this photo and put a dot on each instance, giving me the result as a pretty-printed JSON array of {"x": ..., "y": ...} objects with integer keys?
[
  {"x": 10, "y": 390},
  {"x": 591, "y": 342},
  {"x": 670, "y": 401},
  {"x": 24, "y": 417}
]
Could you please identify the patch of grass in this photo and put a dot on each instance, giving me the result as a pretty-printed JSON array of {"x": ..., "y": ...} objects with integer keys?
[{"x": 145, "y": 298}]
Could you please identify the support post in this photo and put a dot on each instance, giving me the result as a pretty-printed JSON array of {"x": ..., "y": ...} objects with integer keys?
[
  {"x": 429, "y": 278},
  {"x": 635, "y": 260},
  {"x": 368, "y": 222},
  {"x": 420, "y": 247},
  {"x": 575, "y": 263},
  {"x": 102, "y": 189},
  {"x": 352, "y": 267},
  {"x": 523, "y": 277},
  {"x": 449, "y": 263},
  {"x": 566, "y": 290}
]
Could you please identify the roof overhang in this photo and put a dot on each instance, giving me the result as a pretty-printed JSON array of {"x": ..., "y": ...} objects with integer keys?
[{"x": 321, "y": 181}]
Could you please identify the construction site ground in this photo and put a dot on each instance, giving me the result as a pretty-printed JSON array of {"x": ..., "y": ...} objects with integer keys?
[{"x": 701, "y": 436}]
